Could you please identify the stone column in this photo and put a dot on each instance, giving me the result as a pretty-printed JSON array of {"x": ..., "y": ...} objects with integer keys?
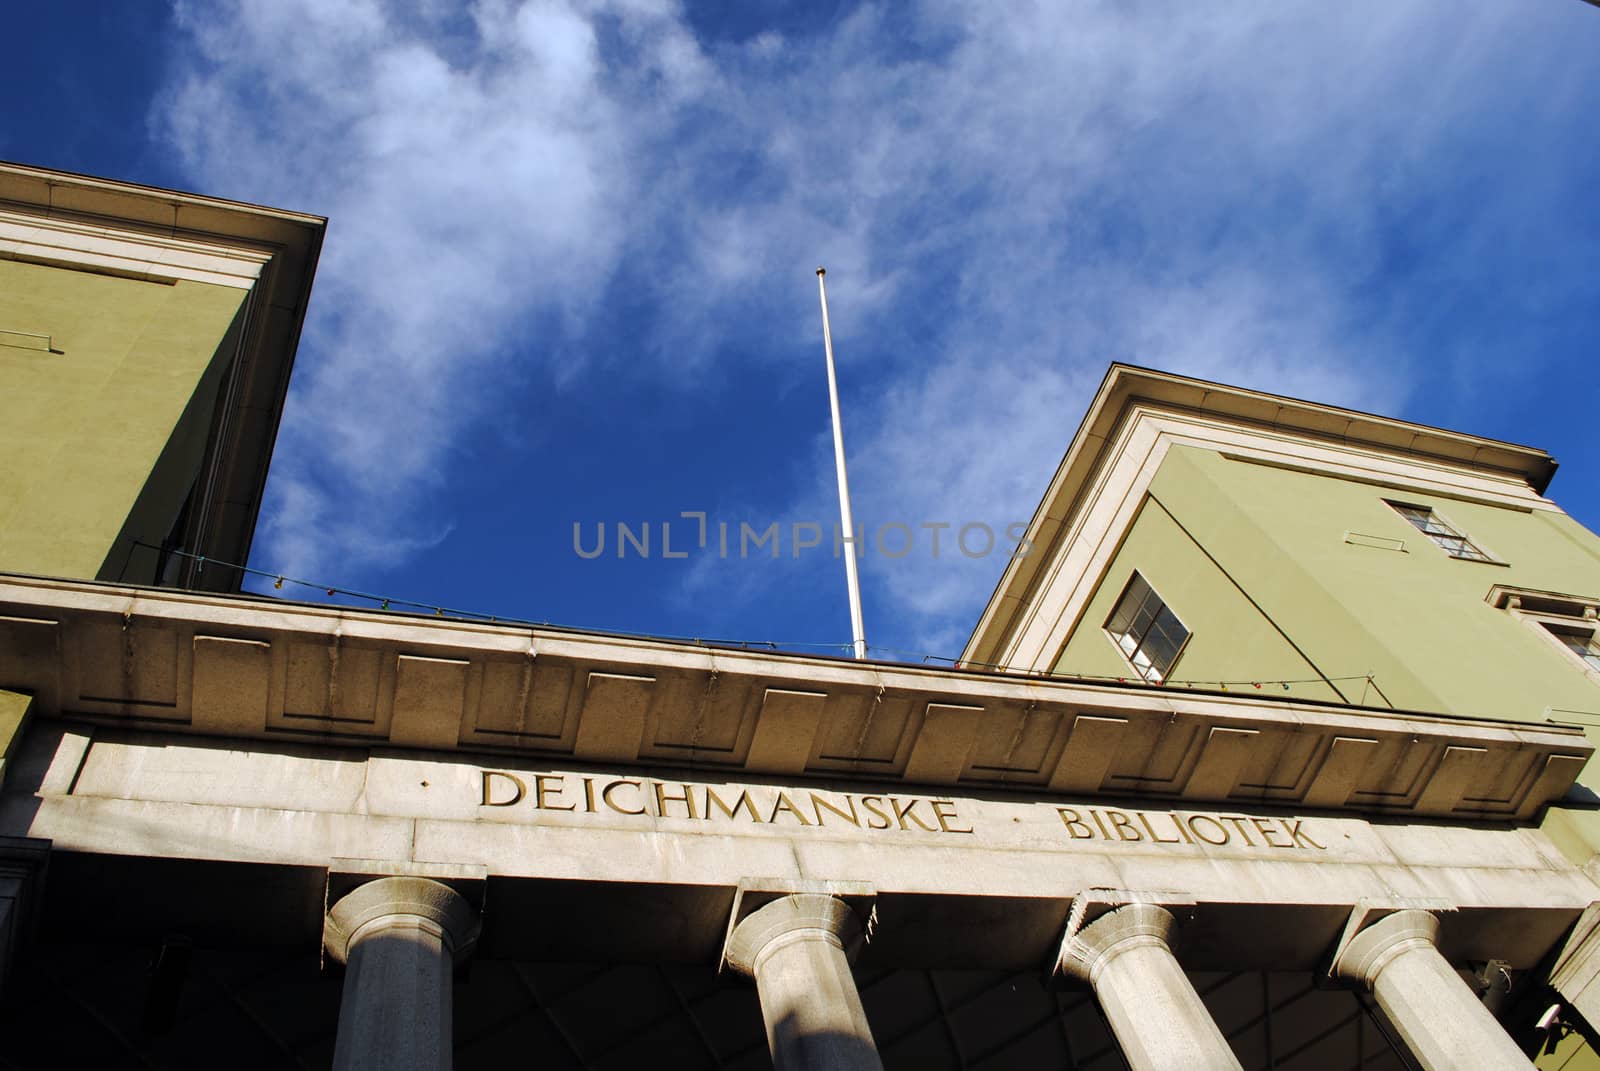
[
  {"x": 399, "y": 939},
  {"x": 799, "y": 949},
  {"x": 1439, "y": 1020},
  {"x": 1126, "y": 956}
]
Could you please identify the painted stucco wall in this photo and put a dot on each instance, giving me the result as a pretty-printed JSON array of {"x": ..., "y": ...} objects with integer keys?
[
  {"x": 14, "y": 710},
  {"x": 103, "y": 432},
  {"x": 1416, "y": 619},
  {"x": 1571, "y": 1054},
  {"x": 1230, "y": 638}
]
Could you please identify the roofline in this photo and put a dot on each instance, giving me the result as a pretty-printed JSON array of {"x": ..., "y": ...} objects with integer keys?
[
  {"x": 19, "y": 184},
  {"x": 1126, "y": 384}
]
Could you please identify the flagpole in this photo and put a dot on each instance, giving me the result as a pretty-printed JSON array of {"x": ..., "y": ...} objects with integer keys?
[{"x": 858, "y": 631}]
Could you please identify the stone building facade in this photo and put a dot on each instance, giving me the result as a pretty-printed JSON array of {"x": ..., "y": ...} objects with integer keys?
[{"x": 1194, "y": 798}]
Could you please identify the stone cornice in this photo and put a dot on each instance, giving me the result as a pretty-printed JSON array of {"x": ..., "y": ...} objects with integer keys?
[
  {"x": 250, "y": 668},
  {"x": 104, "y": 250}
]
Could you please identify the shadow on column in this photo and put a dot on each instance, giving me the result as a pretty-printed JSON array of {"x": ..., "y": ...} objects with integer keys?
[{"x": 824, "y": 1049}]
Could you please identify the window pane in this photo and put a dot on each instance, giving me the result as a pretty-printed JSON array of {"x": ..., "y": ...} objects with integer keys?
[
  {"x": 1132, "y": 599},
  {"x": 1579, "y": 642},
  {"x": 1430, "y": 524},
  {"x": 1161, "y": 649},
  {"x": 1143, "y": 619},
  {"x": 1145, "y": 630}
]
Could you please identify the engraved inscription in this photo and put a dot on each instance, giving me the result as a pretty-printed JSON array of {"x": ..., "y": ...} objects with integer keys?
[
  {"x": 680, "y": 799},
  {"x": 1179, "y": 827},
  {"x": 804, "y": 808}
]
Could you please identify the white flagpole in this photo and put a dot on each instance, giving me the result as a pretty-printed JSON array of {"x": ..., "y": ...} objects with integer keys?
[{"x": 858, "y": 631}]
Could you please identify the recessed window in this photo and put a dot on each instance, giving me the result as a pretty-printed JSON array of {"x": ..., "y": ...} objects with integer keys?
[
  {"x": 1580, "y": 641},
  {"x": 1569, "y": 623},
  {"x": 1148, "y": 633},
  {"x": 1430, "y": 524}
]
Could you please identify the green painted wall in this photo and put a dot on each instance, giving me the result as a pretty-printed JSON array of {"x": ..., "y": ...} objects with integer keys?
[
  {"x": 14, "y": 710},
  {"x": 1254, "y": 559},
  {"x": 1227, "y": 631},
  {"x": 1572, "y": 1053},
  {"x": 103, "y": 438},
  {"x": 1416, "y": 620}
]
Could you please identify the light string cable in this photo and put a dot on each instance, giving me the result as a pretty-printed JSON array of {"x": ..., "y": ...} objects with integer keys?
[
  {"x": 1126, "y": 678},
  {"x": 391, "y": 602}
]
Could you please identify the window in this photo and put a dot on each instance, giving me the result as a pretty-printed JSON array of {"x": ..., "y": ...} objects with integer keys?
[
  {"x": 1430, "y": 524},
  {"x": 1569, "y": 623},
  {"x": 1149, "y": 634},
  {"x": 1580, "y": 641}
]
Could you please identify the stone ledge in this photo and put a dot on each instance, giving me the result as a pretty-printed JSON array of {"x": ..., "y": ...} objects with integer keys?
[{"x": 249, "y": 668}]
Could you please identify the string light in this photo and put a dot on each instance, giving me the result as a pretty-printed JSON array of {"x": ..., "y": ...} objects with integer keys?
[{"x": 385, "y": 602}]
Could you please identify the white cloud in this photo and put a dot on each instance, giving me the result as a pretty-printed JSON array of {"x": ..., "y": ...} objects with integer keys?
[
  {"x": 990, "y": 167},
  {"x": 476, "y": 201},
  {"x": 1004, "y": 206}
]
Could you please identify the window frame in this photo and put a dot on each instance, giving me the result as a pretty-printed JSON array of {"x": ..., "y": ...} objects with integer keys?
[
  {"x": 1153, "y": 674},
  {"x": 1451, "y": 532},
  {"x": 1563, "y": 632},
  {"x": 1550, "y": 614}
]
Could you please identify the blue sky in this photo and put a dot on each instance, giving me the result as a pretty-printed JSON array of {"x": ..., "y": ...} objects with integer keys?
[{"x": 568, "y": 273}]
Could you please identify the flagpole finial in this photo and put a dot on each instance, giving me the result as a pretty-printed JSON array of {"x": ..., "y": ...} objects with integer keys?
[{"x": 822, "y": 271}]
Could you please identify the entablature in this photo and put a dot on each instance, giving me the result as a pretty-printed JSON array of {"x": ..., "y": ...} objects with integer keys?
[{"x": 259, "y": 669}]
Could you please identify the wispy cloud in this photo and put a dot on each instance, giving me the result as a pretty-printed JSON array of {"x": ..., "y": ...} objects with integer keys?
[
  {"x": 1004, "y": 205},
  {"x": 478, "y": 178}
]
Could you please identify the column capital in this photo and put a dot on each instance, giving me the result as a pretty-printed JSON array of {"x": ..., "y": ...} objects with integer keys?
[
  {"x": 1363, "y": 957},
  {"x": 401, "y": 901},
  {"x": 795, "y": 917},
  {"x": 1434, "y": 1015},
  {"x": 1084, "y": 954}
]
